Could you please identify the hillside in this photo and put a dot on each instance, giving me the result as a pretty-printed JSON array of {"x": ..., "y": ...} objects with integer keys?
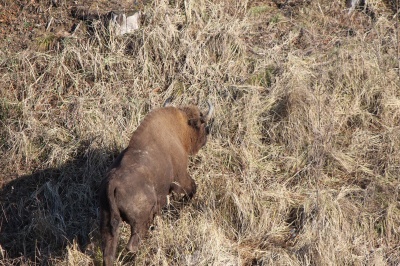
[{"x": 303, "y": 163}]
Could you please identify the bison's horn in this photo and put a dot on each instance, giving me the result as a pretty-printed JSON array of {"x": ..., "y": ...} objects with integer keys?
[
  {"x": 210, "y": 111},
  {"x": 167, "y": 102}
]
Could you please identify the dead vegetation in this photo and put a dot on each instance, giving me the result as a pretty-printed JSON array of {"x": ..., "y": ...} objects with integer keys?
[{"x": 303, "y": 164}]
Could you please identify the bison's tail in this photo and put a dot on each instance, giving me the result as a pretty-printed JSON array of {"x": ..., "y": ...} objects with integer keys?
[
  {"x": 115, "y": 217},
  {"x": 109, "y": 220}
]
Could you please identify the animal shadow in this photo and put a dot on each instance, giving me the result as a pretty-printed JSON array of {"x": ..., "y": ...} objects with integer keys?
[{"x": 43, "y": 212}]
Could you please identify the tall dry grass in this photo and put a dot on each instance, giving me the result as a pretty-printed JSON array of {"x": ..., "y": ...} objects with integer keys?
[{"x": 302, "y": 167}]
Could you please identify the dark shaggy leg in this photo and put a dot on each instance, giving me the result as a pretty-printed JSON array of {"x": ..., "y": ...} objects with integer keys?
[
  {"x": 133, "y": 244},
  {"x": 140, "y": 227},
  {"x": 109, "y": 235},
  {"x": 138, "y": 232}
]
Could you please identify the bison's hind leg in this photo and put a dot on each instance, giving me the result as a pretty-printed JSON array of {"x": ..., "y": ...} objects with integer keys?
[
  {"x": 139, "y": 229},
  {"x": 109, "y": 234},
  {"x": 140, "y": 221},
  {"x": 133, "y": 243}
]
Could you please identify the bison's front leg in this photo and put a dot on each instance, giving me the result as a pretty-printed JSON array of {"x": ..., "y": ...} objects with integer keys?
[{"x": 187, "y": 187}]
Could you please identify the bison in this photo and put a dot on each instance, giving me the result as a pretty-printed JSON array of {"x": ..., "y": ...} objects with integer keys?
[{"x": 152, "y": 167}]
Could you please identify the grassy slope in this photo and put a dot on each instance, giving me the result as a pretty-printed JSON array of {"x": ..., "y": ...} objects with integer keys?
[{"x": 302, "y": 166}]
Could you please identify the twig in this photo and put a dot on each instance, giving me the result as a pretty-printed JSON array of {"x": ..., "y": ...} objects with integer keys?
[{"x": 49, "y": 24}]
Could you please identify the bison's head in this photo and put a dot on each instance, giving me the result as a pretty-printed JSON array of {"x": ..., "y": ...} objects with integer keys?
[{"x": 199, "y": 125}]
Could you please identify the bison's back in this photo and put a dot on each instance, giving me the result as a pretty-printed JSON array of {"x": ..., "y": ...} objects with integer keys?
[{"x": 162, "y": 128}]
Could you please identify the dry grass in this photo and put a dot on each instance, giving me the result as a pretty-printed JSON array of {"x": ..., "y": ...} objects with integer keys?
[{"x": 303, "y": 165}]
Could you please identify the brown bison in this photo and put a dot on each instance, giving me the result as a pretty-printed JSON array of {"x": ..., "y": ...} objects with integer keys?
[{"x": 152, "y": 166}]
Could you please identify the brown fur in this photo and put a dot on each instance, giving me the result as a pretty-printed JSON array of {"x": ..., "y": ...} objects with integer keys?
[{"x": 147, "y": 171}]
